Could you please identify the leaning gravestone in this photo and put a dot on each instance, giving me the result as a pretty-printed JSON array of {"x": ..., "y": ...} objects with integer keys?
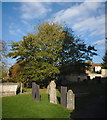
[
  {"x": 63, "y": 96},
  {"x": 52, "y": 92},
  {"x": 37, "y": 93},
  {"x": 70, "y": 100},
  {"x": 33, "y": 90}
]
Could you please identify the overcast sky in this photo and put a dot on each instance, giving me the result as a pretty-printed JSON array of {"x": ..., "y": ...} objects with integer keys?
[{"x": 87, "y": 19}]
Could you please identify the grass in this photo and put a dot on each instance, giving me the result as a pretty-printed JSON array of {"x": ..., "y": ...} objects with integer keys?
[{"x": 22, "y": 106}]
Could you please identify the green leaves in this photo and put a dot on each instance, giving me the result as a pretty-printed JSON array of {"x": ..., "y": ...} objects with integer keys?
[
  {"x": 40, "y": 51},
  {"x": 50, "y": 51}
]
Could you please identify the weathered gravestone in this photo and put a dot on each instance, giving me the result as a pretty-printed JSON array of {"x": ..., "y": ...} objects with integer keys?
[
  {"x": 63, "y": 96},
  {"x": 21, "y": 87},
  {"x": 37, "y": 93},
  {"x": 52, "y": 92},
  {"x": 33, "y": 90},
  {"x": 70, "y": 100}
]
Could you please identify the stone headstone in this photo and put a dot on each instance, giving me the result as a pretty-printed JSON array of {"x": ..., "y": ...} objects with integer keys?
[
  {"x": 21, "y": 87},
  {"x": 63, "y": 96},
  {"x": 33, "y": 90},
  {"x": 52, "y": 92},
  {"x": 37, "y": 93},
  {"x": 9, "y": 89},
  {"x": 70, "y": 100}
]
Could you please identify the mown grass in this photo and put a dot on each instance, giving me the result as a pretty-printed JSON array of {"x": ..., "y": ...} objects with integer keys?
[{"x": 22, "y": 106}]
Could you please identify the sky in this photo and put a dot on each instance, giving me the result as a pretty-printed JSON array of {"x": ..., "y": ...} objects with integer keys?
[{"x": 87, "y": 20}]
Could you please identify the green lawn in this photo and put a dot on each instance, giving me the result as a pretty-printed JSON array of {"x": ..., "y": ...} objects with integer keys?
[{"x": 22, "y": 106}]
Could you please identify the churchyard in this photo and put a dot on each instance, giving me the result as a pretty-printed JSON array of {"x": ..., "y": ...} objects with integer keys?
[{"x": 53, "y": 102}]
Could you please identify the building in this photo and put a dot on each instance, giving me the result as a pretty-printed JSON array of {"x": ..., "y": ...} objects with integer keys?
[{"x": 95, "y": 67}]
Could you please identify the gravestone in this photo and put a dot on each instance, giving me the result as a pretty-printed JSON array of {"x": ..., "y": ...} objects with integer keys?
[
  {"x": 9, "y": 89},
  {"x": 37, "y": 93},
  {"x": 70, "y": 100},
  {"x": 33, "y": 90},
  {"x": 21, "y": 87},
  {"x": 52, "y": 92},
  {"x": 63, "y": 96}
]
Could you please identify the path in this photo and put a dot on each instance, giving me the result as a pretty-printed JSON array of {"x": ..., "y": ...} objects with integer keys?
[{"x": 94, "y": 108}]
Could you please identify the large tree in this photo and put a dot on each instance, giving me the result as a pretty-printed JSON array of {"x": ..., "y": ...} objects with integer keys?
[
  {"x": 50, "y": 50},
  {"x": 40, "y": 51}
]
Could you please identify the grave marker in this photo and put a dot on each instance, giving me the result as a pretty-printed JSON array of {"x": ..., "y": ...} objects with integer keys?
[
  {"x": 52, "y": 92},
  {"x": 63, "y": 96},
  {"x": 21, "y": 87},
  {"x": 70, "y": 100},
  {"x": 33, "y": 90},
  {"x": 37, "y": 93}
]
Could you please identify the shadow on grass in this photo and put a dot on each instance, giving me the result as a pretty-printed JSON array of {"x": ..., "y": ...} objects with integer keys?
[{"x": 58, "y": 98}]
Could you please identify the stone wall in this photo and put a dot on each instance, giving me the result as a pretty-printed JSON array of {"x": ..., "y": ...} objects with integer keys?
[
  {"x": 93, "y": 75},
  {"x": 74, "y": 78},
  {"x": 9, "y": 89}
]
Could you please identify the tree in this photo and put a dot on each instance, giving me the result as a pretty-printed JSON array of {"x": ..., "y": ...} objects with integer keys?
[
  {"x": 40, "y": 51},
  {"x": 104, "y": 65},
  {"x": 16, "y": 71},
  {"x": 75, "y": 53},
  {"x": 49, "y": 51},
  {"x": 3, "y": 61}
]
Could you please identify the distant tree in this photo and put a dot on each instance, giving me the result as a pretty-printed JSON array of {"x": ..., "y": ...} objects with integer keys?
[
  {"x": 3, "y": 61},
  {"x": 15, "y": 72},
  {"x": 104, "y": 65}
]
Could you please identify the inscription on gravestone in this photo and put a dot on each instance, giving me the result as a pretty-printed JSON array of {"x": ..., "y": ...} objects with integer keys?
[
  {"x": 63, "y": 96},
  {"x": 70, "y": 100},
  {"x": 52, "y": 92}
]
